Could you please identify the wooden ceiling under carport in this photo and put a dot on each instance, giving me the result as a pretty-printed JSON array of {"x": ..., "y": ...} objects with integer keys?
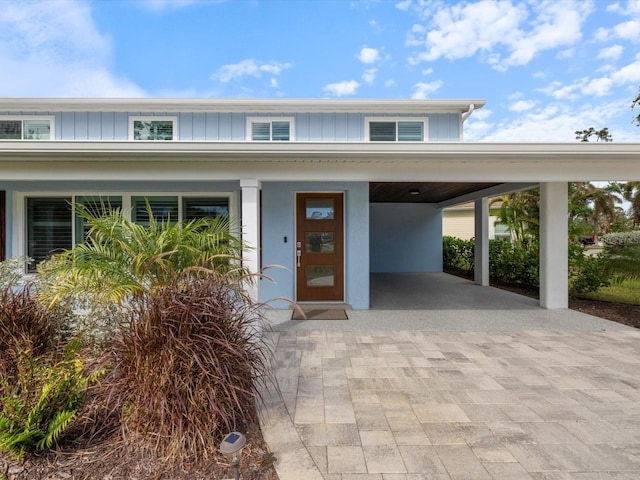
[{"x": 428, "y": 192}]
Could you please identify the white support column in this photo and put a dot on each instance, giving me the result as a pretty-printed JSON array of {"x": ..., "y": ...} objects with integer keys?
[
  {"x": 554, "y": 245},
  {"x": 250, "y": 223},
  {"x": 481, "y": 249}
]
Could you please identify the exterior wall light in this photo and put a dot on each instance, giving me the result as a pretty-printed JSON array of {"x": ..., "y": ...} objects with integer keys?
[{"x": 231, "y": 447}]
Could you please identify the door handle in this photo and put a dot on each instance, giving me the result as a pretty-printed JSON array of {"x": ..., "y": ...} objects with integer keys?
[{"x": 298, "y": 256}]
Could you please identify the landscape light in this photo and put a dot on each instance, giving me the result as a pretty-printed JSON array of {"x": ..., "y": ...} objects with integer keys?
[{"x": 231, "y": 447}]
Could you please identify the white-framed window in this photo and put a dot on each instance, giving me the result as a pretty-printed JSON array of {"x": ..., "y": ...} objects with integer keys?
[
  {"x": 153, "y": 128},
  {"x": 389, "y": 129},
  {"x": 270, "y": 129},
  {"x": 26, "y": 127},
  {"x": 46, "y": 223}
]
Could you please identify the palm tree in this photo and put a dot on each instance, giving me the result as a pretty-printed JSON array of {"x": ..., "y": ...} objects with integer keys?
[
  {"x": 121, "y": 259},
  {"x": 520, "y": 212},
  {"x": 631, "y": 193}
]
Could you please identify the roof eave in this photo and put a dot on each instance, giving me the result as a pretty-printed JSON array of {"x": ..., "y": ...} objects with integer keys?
[{"x": 237, "y": 105}]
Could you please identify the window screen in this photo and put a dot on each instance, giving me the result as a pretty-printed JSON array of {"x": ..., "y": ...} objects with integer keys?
[
  {"x": 261, "y": 131},
  {"x": 163, "y": 209},
  {"x": 153, "y": 129},
  {"x": 194, "y": 208},
  {"x": 410, "y": 131},
  {"x": 97, "y": 206},
  {"x": 382, "y": 131},
  {"x": 48, "y": 227}
]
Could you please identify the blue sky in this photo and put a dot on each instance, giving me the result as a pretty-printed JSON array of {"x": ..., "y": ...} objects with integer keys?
[{"x": 545, "y": 68}]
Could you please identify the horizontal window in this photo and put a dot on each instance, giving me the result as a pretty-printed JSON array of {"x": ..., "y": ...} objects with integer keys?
[
  {"x": 52, "y": 227},
  {"x": 395, "y": 130},
  {"x": 264, "y": 129},
  {"x": 152, "y": 128},
  {"x": 26, "y": 128}
]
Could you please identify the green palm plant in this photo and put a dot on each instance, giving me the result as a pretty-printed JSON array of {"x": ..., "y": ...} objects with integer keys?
[
  {"x": 121, "y": 259},
  {"x": 631, "y": 193}
]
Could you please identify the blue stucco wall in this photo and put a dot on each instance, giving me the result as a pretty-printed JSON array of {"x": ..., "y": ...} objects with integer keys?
[
  {"x": 278, "y": 222},
  {"x": 405, "y": 237}
]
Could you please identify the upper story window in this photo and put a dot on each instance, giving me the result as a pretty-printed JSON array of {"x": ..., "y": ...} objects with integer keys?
[
  {"x": 152, "y": 128},
  {"x": 264, "y": 129},
  {"x": 384, "y": 129},
  {"x": 26, "y": 128}
]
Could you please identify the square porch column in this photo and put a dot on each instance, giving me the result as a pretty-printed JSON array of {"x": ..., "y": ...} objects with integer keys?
[
  {"x": 481, "y": 247},
  {"x": 250, "y": 224},
  {"x": 554, "y": 245}
]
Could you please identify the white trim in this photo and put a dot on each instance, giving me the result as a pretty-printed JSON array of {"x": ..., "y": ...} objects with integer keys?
[
  {"x": 151, "y": 118},
  {"x": 270, "y": 120},
  {"x": 19, "y": 219},
  {"x": 368, "y": 120},
  {"x": 52, "y": 126},
  {"x": 229, "y": 105}
]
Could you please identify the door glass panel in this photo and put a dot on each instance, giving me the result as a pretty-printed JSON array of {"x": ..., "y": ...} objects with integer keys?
[
  {"x": 319, "y": 209},
  {"x": 320, "y": 276},
  {"x": 320, "y": 242}
]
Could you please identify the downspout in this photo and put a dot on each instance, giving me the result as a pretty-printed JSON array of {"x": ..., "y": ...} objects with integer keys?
[{"x": 466, "y": 115}]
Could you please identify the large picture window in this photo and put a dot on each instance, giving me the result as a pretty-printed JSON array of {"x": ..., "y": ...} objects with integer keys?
[
  {"x": 381, "y": 129},
  {"x": 51, "y": 225},
  {"x": 26, "y": 128}
]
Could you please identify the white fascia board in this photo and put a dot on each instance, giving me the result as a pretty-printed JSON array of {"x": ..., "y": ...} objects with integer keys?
[
  {"x": 189, "y": 105},
  {"x": 327, "y": 151}
]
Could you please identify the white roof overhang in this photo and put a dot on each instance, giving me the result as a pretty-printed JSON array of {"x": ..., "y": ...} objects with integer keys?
[
  {"x": 247, "y": 105},
  {"x": 504, "y": 162}
]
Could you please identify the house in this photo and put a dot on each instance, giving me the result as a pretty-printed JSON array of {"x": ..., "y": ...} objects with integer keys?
[
  {"x": 331, "y": 190},
  {"x": 459, "y": 222}
]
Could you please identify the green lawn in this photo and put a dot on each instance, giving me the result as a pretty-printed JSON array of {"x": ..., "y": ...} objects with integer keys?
[{"x": 627, "y": 291}]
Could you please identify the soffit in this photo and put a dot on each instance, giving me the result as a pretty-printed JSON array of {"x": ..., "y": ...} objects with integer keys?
[{"x": 427, "y": 192}]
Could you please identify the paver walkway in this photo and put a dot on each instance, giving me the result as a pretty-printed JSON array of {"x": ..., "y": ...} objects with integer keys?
[
  {"x": 464, "y": 405},
  {"x": 546, "y": 404}
]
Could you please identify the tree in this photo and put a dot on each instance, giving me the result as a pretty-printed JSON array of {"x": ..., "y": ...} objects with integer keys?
[
  {"x": 121, "y": 259},
  {"x": 631, "y": 193},
  {"x": 636, "y": 103},
  {"x": 601, "y": 135},
  {"x": 520, "y": 212}
]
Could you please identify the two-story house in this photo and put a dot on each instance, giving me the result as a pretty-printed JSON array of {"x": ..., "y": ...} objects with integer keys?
[{"x": 331, "y": 190}]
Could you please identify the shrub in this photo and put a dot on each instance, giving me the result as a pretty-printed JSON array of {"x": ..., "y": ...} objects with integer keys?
[
  {"x": 457, "y": 254},
  {"x": 41, "y": 382},
  {"x": 587, "y": 273},
  {"x": 511, "y": 263},
  {"x": 621, "y": 239},
  {"x": 188, "y": 364},
  {"x": 42, "y": 401}
]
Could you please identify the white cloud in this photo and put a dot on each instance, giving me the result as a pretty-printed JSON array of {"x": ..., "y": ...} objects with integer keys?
[
  {"x": 249, "y": 67},
  {"x": 423, "y": 90},
  {"x": 427, "y": 71},
  {"x": 522, "y": 105},
  {"x": 342, "y": 88},
  {"x": 403, "y": 5},
  {"x": 611, "y": 53},
  {"x": 160, "y": 5},
  {"x": 368, "y": 55},
  {"x": 389, "y": 83},
  {"x": 503, "y": 32},
  {"x": 369, "y": 75},
  {"x": 55, "y": 49},
  {"x": 629, "y": 30},
  {"x": 554, "y": 123}
]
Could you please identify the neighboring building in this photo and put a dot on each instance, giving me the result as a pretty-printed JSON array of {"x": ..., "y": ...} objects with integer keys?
[
  {"x": 332, "y": 190},
  {"x": 459, "y": 222}
]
